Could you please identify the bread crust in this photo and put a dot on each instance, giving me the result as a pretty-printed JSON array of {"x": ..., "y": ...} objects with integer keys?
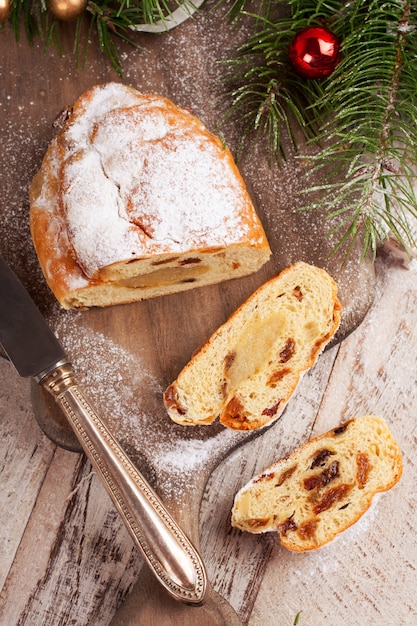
[
  {"x": 135, "y": 198},
  {"x": 246, "y": 372},
  {"x": 323, "y": 487}
]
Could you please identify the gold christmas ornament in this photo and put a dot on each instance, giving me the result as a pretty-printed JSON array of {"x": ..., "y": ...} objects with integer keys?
[
  {"x": 65, "y": 10},
  {"x": 5, "y": 10}
]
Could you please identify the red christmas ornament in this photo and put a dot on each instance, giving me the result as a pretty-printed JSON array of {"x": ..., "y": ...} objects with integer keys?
[{"x": 314, "y": 52}]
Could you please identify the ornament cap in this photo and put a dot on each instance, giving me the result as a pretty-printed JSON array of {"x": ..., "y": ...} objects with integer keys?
[
  {"x": 5, "y": 10},
  {"x": 66, "y": 10}
]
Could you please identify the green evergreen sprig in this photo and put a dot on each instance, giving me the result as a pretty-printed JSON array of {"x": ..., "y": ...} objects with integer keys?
[
  {"x": 108, "y": 19},
  {"x": 362, "y": 119}
]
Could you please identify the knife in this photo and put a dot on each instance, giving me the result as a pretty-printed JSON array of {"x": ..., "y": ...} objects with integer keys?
[{"x": 34, "y": 350}]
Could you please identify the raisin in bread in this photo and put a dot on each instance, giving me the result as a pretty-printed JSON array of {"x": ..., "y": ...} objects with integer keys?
[
  {"x": 323, "y": 487},
  {"x": 135, "y": 198},
  {"x": 249, "y": 368}
]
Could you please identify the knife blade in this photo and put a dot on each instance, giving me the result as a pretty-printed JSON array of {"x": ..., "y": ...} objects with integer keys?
[
  {"x": 26, "y": 338},
  {"x": 35, "y": 352}
]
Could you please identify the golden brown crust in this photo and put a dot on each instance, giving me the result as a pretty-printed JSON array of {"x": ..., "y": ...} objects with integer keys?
[
  {"x": 99, "y": 232},
  {"x": 48, "y": 229}
]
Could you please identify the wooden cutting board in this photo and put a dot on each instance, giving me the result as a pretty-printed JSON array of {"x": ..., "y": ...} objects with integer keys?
[{"x": 125, "y": 356}]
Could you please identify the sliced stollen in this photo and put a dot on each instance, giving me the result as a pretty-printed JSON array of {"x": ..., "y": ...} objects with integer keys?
[
  {"x": 249, "y": 368},
  {"x": 323, "y": 487}
]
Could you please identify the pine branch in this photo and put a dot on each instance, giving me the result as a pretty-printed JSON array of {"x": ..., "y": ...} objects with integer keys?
[
  {"x": 109, "y": 19},
  {"x": 262, "y": 86},
  {"x": 373, "y": 120},
  {"x": 361, "y": 119}
]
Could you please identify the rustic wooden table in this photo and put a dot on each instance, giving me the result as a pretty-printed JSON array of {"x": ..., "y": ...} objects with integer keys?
[{"x": 65, "y": 557}]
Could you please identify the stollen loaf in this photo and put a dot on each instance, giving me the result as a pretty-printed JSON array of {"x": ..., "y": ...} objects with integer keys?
[
  {"x": 323, "y": 487},
  {"x": 245, "y": 373},
  {"x": 135, "y": 199}
]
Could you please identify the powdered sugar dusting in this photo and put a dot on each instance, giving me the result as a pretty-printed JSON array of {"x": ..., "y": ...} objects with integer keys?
[
  {"x": 89, "y": 112},
  {"x": 143, "y": 179},
  {"x": 95, "y": 229},
  {"x": 101, "y": 364}
]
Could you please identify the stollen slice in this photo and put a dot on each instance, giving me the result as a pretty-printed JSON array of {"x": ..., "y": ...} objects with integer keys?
[
  {"x": 246, "y": 372},
  {"x": 323, "y": 487}
]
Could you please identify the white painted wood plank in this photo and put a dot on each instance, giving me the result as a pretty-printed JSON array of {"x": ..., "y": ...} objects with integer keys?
[
  {"x": 34, "y": 552},
  {"x": 76, "y": 560},
  {"x": 25, "y": 454}
]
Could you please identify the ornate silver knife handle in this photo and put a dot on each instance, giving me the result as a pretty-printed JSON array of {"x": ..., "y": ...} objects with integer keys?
[{"x": 169, "y": 553}]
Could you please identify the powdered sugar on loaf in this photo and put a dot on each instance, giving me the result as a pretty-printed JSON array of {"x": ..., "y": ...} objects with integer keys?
[{"x": 141, "y": 168}]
